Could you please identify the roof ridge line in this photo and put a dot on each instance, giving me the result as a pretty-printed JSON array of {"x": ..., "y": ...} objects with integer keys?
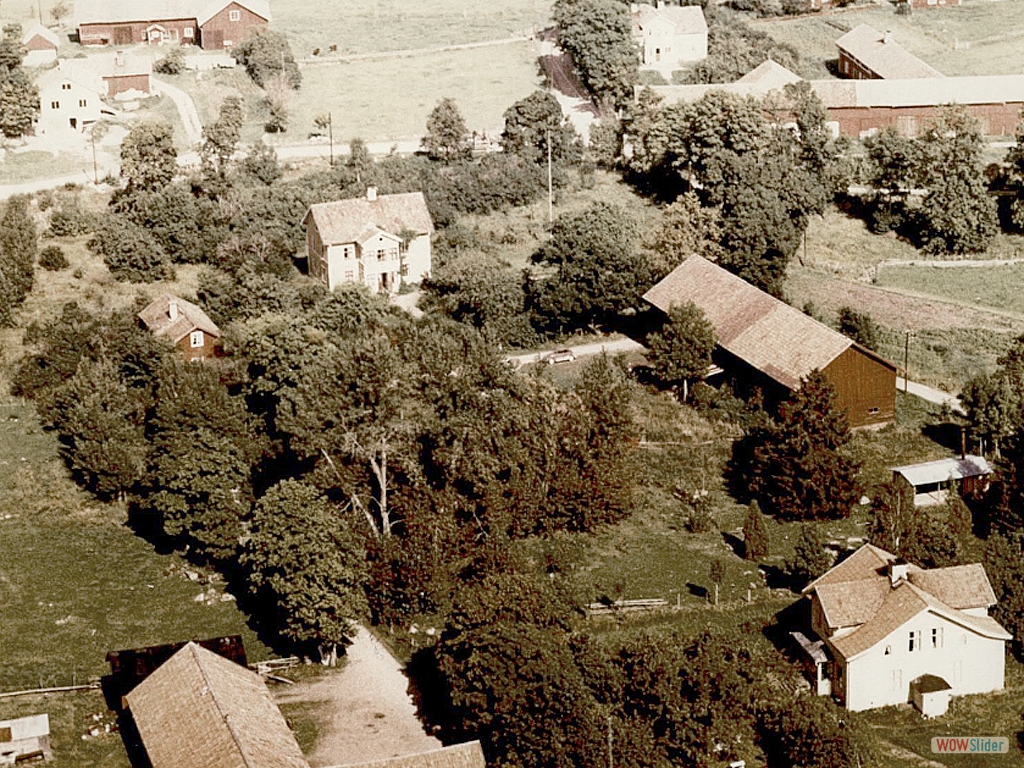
[{"x": 223, "y": 715}]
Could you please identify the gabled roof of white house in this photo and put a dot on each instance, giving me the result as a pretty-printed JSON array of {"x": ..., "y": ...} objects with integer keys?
[
  {"x": 121, "y": 64},
  {"x": 778, "y": 340},
  {"x": 769, "y": 76},
  {"x": 684, "y": 20},
  {"x": 201, "y": 709},
  {"x": 883, "y": 55},
  {"x": 38, "y": 30},
  {"x": 347, "y": 221},
  {"x": 187, "y": 317},
  {"x": 79, "y": 71},
  {"x": 941, "y": 470},
  {"x": 210, "y": 9},
  {"x": 858, "y": 592}
]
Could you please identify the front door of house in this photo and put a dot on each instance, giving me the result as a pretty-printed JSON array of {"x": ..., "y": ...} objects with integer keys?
[{"x": 73, "y": 121}]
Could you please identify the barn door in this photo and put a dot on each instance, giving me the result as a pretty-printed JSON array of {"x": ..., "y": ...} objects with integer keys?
[
  {"x": 213, "y": 39},
  {"x": 122, "y": 35}
]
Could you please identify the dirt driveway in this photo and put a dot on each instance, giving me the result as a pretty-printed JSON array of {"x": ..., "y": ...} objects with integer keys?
[{"x": 368, "y": 713}]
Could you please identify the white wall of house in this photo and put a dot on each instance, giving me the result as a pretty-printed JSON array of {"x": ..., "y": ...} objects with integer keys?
[
  {"x": 417, "y": 259},
  {"x": 342, "y": 265},
  {"x": 663, "y": 47},
  {"x": 382, "y": 264},
  {"x": 67, "y": 106},
  {"x": 39, "y": 57},
  {"x": 969, "y": 662}
]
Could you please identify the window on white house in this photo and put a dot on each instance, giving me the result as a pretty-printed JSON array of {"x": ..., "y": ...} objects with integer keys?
[
  {"x": 196, "y": 339},
  {"x": 888, "y": 650},
  {"x": 187, "y": 32},
  {"x": 350, "y": 275},
  {"x": 915, "y": 640},
  {"x": 896, "y": 677},
  {"x": 65, "y": 86},
  {"x": 937, "y": 639},
  {"x": 82, "y": 103},
  {"x": 54, "y": 105},
  {"x": 234, "y": 15}
]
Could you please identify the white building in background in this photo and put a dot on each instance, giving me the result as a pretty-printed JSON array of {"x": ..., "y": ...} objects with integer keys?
[
  {"x": 41, "y": 44},
  {"x": 669, "y": 36},
  {"x": 70, "y": 98},
  {"x": 380, "y": 241}
]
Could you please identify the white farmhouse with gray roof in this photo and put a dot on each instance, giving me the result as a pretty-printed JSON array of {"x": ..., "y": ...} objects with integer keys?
[{"x": 380, "y": 241}]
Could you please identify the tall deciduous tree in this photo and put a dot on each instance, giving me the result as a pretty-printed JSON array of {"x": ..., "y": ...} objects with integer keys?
[
  {"x": 148, "y": 158},
  {"x": 220, "y": 138},
  {"x": 680, "y": 351},
  {"x": 534, "y": 123},
  {"x": 305, "y": 558},
  {"x": 447, "y": 136},
  {"x": 598, "y": 35},
  {"x": 808, "y": 731},
  {"x": 265, "y": 55},
  {"x": 594, "y": 268},
  {"x": 957, "y": 214},
  {"x": 1015, "y": 177},
  {"x": 686, "y": 228},
  {"x": 802, "y": 468}
]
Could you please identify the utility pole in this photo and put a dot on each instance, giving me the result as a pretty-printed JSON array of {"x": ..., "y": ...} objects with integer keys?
[
  {"x": 330, "y": 135},
  {"x": 906, "y": 361},
  {"x": 610, "y": 763},
  {"x": 95, "y": 168},
  {"x": 551, "y": 214}
]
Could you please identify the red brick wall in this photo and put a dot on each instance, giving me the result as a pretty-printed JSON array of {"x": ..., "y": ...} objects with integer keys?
[
  {"x": 220, "y": 28},
  {"x": 120, "y": 83},
  {"x": 104, "y": 33},
  {"x": 995, "y": 119}
]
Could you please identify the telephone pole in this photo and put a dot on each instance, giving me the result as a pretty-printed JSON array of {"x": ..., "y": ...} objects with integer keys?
[
  {"x": 330, "y": 135},
  {"x": 551, "y": 214}
]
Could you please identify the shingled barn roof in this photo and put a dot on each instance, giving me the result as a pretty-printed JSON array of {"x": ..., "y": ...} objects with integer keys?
[
  {"x": 883, "y": 55},
  {"x": 200, "y": 709},
  {"x": 771, "y": 336}
]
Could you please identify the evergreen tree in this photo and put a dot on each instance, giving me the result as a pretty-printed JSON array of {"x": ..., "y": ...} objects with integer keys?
[
  {"x": 680, "y": 351},
  {"x": 19, "y": 96},
  {"x": 810, "y": 558},
  {"x": 756, "y": 542},
  {"x": 893, "y": 517},
  {"x": 101, "y": 421},
  {"x": 801, "y": 468},
  {"x": 18, "y": 247},
  {"x": 203, "y": 452},
  {"x": 304, "y": 558},
  {"x": 447, "y": 137}
]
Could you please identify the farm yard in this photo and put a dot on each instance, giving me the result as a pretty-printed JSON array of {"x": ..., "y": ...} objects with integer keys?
[{"x": 976, "y": 38}]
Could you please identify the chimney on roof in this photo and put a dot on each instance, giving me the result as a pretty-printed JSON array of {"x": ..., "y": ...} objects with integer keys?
[
  {"x": 634, "y": 8},
  {"x": 119, "y": 58},
  {"x": 661, "y": 4},
  {"x": 371, "y": 194},
  {"x": 172, "y": 310},
  {"x": 887, "y": 37},
  {"x": 897, "y": 572}
]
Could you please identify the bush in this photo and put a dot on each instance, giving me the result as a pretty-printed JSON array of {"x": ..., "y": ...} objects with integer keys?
[
  {"x": 52, "y": 258},
  {"x": 130, "y": 252},
  {"x": 69, "y": 220},
  {"x": 171, "y": 64}
]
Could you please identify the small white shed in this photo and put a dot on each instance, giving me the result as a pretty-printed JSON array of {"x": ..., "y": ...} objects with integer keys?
[
  {"x": 24, "y": 739},
  {"x": 932, "y": 479},
  {"x": 931, "y": 695}
]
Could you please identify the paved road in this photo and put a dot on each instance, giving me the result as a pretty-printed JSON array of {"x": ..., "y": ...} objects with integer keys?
[
  {"x": 582, "y": 350},
  {"x": 930, "y": 394}
]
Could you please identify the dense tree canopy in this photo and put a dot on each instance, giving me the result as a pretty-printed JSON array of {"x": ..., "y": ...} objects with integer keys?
[
  {"x": 681, "y": 349},
  {"x": 532, "y": 123},
  {"x": 148, "y": 158},
  {"x": 18, "y": 247},
  {"x": 19, "y": 96},
  {"x": 598, "y": 36},
  {"x": 447, "y": 137}
]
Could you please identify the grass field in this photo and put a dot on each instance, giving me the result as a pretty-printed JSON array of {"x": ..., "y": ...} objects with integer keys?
[{"x": 994, "y": 32}]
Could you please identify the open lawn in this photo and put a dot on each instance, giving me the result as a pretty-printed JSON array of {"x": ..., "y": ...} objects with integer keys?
[
  {"x": 998, "y": 287},
  {"x": 390, "y": 99},
  {"x": 988, "y": 35}
]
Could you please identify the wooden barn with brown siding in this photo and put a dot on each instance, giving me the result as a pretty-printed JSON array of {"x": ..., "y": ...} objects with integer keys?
[
  {"x": 765, "y": 344},
  {"x": 210, "y": 24}
]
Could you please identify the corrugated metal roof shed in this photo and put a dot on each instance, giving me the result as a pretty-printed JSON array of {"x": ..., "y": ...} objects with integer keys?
[{"x": 941, "y": 470}]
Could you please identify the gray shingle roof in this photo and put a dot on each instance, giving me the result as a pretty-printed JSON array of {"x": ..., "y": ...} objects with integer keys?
[
  {"x": 467, "y": 755},
  {"x": 883, "y": 55},
  {"x": 200, "y": 709}
]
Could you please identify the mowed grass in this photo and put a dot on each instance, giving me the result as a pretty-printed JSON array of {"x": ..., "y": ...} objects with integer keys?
[
  {"x": 75, "y": 581},
  {"x": 391, "y": 99},
  {"x": 393, "y": 25},
  {"x": 994, "y": 33},
  {"x": 998, "y": 287}
]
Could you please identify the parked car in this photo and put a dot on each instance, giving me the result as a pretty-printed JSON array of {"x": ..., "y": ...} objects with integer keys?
[{"x": 561, "y": 356}]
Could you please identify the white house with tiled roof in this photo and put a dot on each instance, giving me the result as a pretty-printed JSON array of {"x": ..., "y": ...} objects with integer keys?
[
  {"x": 380, "y": 241},
  {"x": 891, "y": 632}
]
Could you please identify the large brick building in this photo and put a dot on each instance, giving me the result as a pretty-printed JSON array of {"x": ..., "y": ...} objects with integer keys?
[{"x": 210, "y": 24}]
